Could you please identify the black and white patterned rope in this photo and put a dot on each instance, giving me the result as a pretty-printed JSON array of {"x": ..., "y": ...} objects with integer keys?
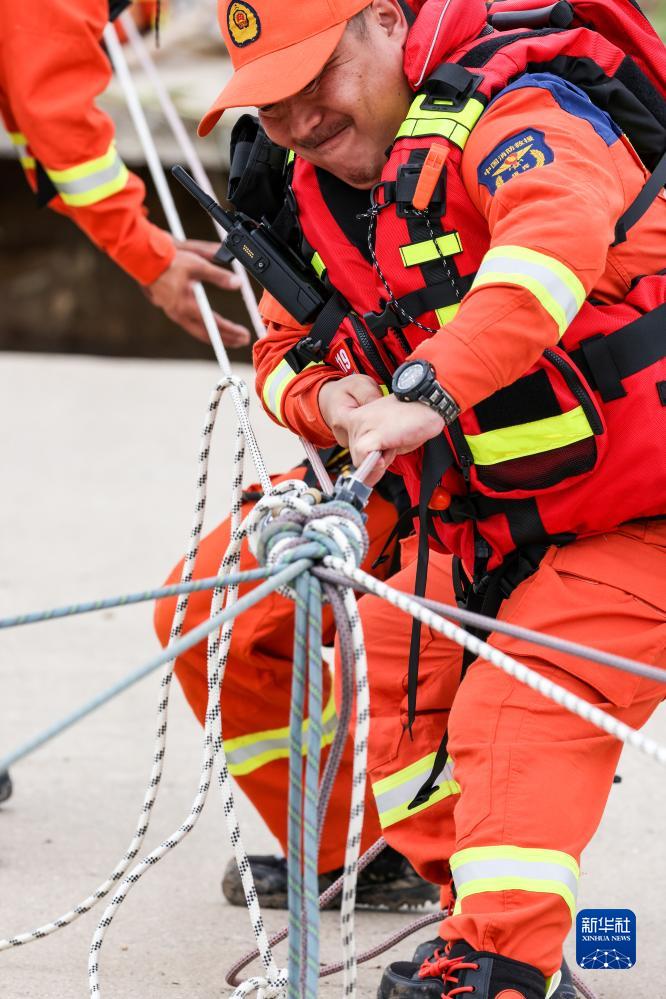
[{"x": 565, "y": 698}]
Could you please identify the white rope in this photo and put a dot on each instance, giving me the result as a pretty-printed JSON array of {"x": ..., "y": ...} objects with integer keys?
[
  {"x": 165, "y": 686},
  {"x": 197, "y": 168},
  {"x": 119, "y": 62},
  {"x": 565, "y": 698}
]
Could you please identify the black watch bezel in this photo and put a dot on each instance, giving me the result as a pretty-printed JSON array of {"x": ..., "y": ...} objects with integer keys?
[{"x": 415, "y": 394}]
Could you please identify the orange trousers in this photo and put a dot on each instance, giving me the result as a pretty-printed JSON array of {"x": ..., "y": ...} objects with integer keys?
[
  {"x": 526, "y": 782},
  {"x": 256, "y": 691}
]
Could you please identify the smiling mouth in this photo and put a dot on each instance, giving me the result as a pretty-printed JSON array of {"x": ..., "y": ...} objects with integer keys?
[{"x": 330, "y": 141}]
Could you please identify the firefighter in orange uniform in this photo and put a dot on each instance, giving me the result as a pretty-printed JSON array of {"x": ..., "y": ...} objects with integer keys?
[
  {"x": 508, "y": 285},
  {"x": 52, "y": 67}
]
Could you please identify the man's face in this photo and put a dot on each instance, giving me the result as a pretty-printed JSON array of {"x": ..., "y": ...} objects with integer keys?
[{"x": 344, "y": 120}]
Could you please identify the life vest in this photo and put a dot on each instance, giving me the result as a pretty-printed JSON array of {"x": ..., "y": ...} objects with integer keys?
[{"x": 579, "y": 460}]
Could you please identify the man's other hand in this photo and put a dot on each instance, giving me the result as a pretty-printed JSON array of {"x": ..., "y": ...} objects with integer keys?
[
  {"x": 340, "y": 397},
  {"x": 172, "y": 291}
]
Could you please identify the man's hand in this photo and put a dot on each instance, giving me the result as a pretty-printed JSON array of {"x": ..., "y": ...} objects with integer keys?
[
  {"x": 392, "y": 427},
  {"x": 341, "y": 397},
  {"x": 172, "y": 291}
]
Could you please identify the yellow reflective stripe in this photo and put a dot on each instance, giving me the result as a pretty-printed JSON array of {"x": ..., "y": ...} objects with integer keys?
[
  {"x": 508, "y": 868},
  {"x": 393, "y": 794},
  {"x": 19, "y": 140},
  {"x": 556, "y": 287},
  {"x": 420, "y": 253},
  {"x": 247, "y": 753},
  {"x": 524, "y": 439},
  {"x": 515, "y": 884},
  {"x": 453, "y": 125},
  {"x": 92, "y": 181},
  {"x": 275, "y": 385},
  {"x": 446, "y": 314},
  {"x": 318, "y": 264},
  {"x": 291, "y": 156}
]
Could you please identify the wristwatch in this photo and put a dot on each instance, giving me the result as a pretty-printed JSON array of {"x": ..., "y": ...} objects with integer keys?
[{"x": 415, "y": 381}]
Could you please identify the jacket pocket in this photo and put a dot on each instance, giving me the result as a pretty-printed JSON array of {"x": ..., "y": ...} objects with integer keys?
[{"x": 533, "y": 436}]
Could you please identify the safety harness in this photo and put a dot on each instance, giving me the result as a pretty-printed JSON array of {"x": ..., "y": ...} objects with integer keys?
[{"x": 562, "y": 452}]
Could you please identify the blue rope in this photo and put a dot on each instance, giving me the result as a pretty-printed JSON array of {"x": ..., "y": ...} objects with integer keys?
[
  {"x": 172, "y": 651},
  {"x": 310, "y": 810},
  {"x": 127, "y": 599},
  {"x": 294, "y": 867}
]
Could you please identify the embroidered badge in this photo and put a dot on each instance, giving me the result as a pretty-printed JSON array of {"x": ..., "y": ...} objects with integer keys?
[
  {"x": 243, "y": 23},
  {"x": 516, "y": 155}
]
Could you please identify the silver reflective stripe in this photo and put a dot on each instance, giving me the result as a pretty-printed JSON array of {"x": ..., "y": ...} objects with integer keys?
[
  {"x": 94, "y": 180},
  {"x": 478, "y": 870},
  {"x": 405, "y": 793},
  {"x": 247, "y": 754},
  {"x": 510, "y": 266}
]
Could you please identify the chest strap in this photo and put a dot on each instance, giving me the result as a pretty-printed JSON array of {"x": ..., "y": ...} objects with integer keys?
[{"x": 606, "y": 360}]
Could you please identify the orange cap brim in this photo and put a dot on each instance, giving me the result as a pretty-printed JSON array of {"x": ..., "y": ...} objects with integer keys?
[{"x": 275, "y": 76}]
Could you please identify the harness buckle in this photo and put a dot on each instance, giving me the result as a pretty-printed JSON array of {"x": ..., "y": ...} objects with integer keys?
[
  {"x": 451, "y": 83},
  {"x": 380, "y": 322}
]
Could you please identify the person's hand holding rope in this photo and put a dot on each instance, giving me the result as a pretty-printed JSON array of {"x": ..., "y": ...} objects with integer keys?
[{"x": 172, "y": 291}]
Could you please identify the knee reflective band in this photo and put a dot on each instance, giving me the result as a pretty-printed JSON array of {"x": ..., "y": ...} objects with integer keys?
[
  {"x": 553, "y": 432},
  {"x": 249, "y": 752},
  {"x": 20, "y": 143},
  {"x": 508, "y": 868},
  {"x": 393, "y": 794},
  {"x": 555, "y": 287},
  {"x": 453, "y": 125},
  {"x": 276, "y": 383},
  {"x": 90, "y": 182}
]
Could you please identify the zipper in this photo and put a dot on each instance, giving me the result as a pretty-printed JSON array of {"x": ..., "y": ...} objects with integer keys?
[
  {"x": 370, "y": 350},
  {"x": 461, "y": 448},
  {"x": 402, "y": 339},
  {"x": 568, "y": 372}
]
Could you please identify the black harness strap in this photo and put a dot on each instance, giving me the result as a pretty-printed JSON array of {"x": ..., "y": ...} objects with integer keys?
[
  {"x": 437, "y": 458},
  {"x": 606, "y": 360},
  {"x": 500, "y": 584},
  {"x": 315, "y": 345},
  {"x": 642, "y": 202},
  {"x": 435, "y": 296}
]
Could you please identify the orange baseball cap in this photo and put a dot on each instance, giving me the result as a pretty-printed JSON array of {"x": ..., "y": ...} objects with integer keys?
[{"x": 277, "y": 47}]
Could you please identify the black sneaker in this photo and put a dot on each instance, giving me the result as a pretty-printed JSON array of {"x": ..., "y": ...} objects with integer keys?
[
  {"x": 388, "y": 882},
  {"x": 489, "y": 974},
  {"x": 6, "y": 787}
]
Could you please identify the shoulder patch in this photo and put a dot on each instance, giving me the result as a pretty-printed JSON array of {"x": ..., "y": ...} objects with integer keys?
[{"x": 522, "y": 152}]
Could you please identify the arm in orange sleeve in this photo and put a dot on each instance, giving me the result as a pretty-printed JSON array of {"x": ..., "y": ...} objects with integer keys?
[
  {"x": 52, "y": 67},
  {"x": 551, "y": 212},
  {"x": 290, "y": 399}
]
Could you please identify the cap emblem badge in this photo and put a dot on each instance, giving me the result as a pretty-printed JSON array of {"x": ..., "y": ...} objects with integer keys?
[{"x": 243, "y": 23}]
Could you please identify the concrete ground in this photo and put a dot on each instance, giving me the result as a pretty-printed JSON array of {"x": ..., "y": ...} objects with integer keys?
[{"x": 99, "y": 461}]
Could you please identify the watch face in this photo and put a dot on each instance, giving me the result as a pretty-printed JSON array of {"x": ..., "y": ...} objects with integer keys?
[{"x": 410, "y": 377}]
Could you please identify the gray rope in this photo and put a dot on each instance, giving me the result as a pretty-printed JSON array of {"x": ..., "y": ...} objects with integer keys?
[
  {"x": 555, "y": 692},
  {"x": 126, "y": 599},
  {"x": 294, "y": 873},
  {"x": 485, "y": 623},
  {"x": 167, "y": 655}
]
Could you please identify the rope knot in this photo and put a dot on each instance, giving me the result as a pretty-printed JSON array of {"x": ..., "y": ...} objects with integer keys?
[{"x": 301, "y": 523}]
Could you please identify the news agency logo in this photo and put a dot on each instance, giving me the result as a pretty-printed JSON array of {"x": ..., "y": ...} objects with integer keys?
[{"x": 606, "y": 939}]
